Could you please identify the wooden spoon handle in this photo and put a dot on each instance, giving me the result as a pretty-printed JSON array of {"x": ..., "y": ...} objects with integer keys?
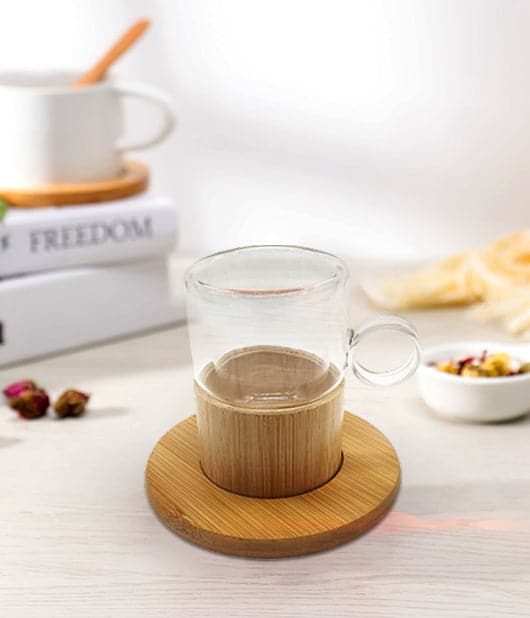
[{"x": 94, "y": 74}]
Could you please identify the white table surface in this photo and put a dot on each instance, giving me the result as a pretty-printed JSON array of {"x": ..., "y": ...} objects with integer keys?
[{"x": 78, "y": 538}]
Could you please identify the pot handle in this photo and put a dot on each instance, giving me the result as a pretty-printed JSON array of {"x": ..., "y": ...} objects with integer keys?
[{"x": 156, "y": 97}]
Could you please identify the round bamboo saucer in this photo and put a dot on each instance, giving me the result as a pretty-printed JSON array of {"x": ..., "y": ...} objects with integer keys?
[
  {"x": 353, "y": 501},
  {"x": 133, "y": 180}
]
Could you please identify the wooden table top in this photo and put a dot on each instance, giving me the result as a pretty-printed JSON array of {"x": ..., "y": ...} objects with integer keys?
[{"x": 77, "y": 536}]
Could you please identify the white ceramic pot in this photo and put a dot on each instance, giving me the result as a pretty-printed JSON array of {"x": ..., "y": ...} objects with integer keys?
[{"x": 53, "y": 132}]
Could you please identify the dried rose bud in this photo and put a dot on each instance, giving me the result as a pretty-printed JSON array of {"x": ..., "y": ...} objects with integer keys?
[
  {"x": 71, "y": 403},
  {"x": 15, "y": 389},
  {"x": 31, "y": 403}
]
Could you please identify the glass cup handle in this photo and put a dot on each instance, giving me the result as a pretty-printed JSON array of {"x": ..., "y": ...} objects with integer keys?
[{"x": 384, "y": 378}]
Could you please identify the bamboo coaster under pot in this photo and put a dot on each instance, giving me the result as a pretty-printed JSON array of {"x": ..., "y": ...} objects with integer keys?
[
  {"x": 353, "y": 501},
  {"x": 134, "y": 179}
]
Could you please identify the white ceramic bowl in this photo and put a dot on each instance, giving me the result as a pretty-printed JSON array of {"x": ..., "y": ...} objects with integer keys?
[{"x": 478, "y": 400}]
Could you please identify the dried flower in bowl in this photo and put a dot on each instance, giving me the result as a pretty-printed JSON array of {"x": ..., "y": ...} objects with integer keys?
[
  {"x": 71, "y": 403},
  {"x": 31, "y": 403},
  {"x": 484, "y": 366}
]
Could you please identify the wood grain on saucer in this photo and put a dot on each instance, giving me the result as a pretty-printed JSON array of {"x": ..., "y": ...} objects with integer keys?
[
  {"x": 133, "y": 180},
  {"x": 352, "y": 502}
]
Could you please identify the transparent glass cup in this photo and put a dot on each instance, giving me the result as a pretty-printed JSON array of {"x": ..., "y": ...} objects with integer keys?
[{"x": 270, "y": 341}]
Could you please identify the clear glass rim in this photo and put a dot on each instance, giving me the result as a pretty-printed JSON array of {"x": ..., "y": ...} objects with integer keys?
[{"x": 340, "y": 272}]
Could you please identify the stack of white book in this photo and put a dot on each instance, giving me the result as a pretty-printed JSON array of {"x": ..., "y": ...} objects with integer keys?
[{"x": 76, "y": 275}]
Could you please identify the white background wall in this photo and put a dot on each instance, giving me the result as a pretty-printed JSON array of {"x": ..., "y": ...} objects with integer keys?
[{"x": 394, "y": 129}]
